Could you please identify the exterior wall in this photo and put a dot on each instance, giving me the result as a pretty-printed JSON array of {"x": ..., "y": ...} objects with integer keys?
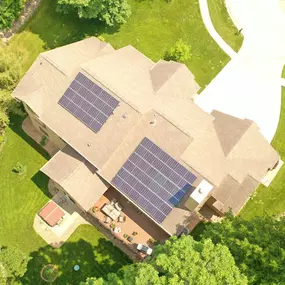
[
  {"x": 43, "y": 129},
  {"x": 56, "y": 188}
]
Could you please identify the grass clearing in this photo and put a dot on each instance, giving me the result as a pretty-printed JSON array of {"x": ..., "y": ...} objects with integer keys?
[
  {"x": 224, "y": 24},
  {"x": 271, "y": 200},
  {"x": 152, "y": 32}
]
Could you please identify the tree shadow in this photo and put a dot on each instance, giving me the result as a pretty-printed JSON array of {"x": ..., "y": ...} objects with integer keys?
[
  {"x": 57, "y": 29},
  {"x": 97, "y": 261},
  {"x": 16, "y": 126}
]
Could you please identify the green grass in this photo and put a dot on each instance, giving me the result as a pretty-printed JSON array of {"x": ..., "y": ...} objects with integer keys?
[
  {"x": 271, "y": 200},
  {"x": 224, "y": 25},
  {"x": 153, "y": 28},
  {"x": 21, "y": 198},
  {"x": 88, "y": 248}
]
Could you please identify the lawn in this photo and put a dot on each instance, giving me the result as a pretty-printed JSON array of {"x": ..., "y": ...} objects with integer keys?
[
  {"x": 153, "y": 28},
  {"x": 271, "y": 200},
  {"x": 88, "y": 248},
  {"x": 224, "y": 25},
  {"x": 22, "y": 197}
]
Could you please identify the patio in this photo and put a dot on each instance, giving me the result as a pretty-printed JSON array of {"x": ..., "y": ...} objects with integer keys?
[
  {"x": 129, "y": 224},
  {"x": 56, "y": 229}
]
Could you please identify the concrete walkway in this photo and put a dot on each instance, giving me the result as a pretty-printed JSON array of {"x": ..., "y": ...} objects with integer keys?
[
  {"x": 209, "y": 25},
  {"x": 250, "y": 85}
]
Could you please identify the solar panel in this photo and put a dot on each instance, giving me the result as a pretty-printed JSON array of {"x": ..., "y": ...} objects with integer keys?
[
  {"x": 153, "y": 180},
  {"x": 88, "y": 102}
]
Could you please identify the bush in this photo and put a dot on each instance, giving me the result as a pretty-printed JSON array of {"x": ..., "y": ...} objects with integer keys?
[
  {"x": 19, "y": 168},
  {"x": 43, "y": 141},
  {"x": 180, "y": 52}
]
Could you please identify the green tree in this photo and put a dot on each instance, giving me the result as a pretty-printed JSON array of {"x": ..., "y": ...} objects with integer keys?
[
  {"x": 13, "y": 264},
  {"x": 112, "y": 12},
  {"x": 180, "y": 52},
  {"x": 257, "y": 245},
  {"x": 9, "y": 11},
  {"x": 10, "y": 73},
  {"x": 180, "y": 261}
]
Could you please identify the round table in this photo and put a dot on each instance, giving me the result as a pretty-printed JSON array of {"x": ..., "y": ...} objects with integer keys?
[{"x": 76, "y": 267}]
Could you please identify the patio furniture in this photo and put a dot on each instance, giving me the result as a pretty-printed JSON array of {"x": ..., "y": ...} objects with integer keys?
[
  {"x": 113, "y": 201},
  {"x": 76, "y": 267},
  {"x": 51, "y": 213},
  {"x": 117, "y": 230},
  {"x": 118, "y": 206},
  {"x": 107, "y": 220},
  {"x": 144, "y": 249},
  {"x": 122, "y": 219},
  {"x": 130, "y": 238},
  {"x": 110, "y": 211}
]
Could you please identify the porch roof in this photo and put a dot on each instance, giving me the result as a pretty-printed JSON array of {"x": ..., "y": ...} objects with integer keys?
[{"x": 76, "y": 176}]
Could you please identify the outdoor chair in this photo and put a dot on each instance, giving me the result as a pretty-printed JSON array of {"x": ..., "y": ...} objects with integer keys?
[
  {"x": 113, "y": 202},
  {"x": 122, "y": 219},
  {"x": 107, "y": 220},
  {"x": 118, "y": 206}
]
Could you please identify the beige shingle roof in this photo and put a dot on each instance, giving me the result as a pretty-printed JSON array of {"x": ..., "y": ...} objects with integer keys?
[
  {"x": 76, "y": 176},
  {"x": 212, "y": 145}
]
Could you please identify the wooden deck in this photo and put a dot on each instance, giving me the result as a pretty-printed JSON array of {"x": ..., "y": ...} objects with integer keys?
[{"x": 135, "y": 221}]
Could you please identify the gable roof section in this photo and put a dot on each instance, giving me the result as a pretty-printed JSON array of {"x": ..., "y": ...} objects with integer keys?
[
  {"x": 232, "y": 194},
  {"x": 229, "y": 129},
  {"x": 214, "y": 148},
  {"x": 76, "y": 176}
]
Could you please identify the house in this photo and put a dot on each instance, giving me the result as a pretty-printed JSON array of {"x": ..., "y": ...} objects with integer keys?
[{"x": 121, "y": 120}]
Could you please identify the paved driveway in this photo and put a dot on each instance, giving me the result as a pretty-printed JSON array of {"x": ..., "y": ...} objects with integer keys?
[{"x": 250, "y": 86}]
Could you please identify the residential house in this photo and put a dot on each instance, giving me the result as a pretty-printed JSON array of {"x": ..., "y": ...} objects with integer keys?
[{"x": 121, "y": 120}]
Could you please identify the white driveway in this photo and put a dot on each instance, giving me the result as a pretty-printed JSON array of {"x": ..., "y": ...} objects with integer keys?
[{"x": 250, "y": 86}]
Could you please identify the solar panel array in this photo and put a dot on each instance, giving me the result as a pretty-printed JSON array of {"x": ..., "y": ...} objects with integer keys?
[
  {"x": 88, "y": 102},
  {"x": 153, "y": 180}
]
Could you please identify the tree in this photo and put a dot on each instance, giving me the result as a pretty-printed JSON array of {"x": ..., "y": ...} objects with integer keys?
[
  {"x": 9, "y": 11},
  {"x": 257, "y": 245},
  {"x": 180, "y": 261},
  {"x": 10, "y": 73},
  {"x": 112, "y": 12},
  {"x": 13, "y": 264},
  {"x": 180, "y": 52}
]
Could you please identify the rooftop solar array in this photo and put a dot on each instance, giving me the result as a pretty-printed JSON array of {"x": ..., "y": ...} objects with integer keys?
[
  {"x": 88, "y": 102},
  {"x": 153, "y": 180}
]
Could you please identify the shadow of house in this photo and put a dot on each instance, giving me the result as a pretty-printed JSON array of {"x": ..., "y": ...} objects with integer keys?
[
  {"x": 97, "y": 261},
  {"x": 16, "y": 127}
]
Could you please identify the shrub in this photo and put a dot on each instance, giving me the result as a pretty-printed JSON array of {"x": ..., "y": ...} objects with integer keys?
[
  {"x": 43, "y": 141},
  {"x": 19, "y": 168},
  {"x": 180, "y": 52}
]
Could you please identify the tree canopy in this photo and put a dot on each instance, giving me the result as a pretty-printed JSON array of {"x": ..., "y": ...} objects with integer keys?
[
  {"x": 180, "y": 261},
  {"x": 13, "y": 264},
  {"x": 9, "y": 11},
  {"x": 10, "y": 73},
  {"x": 180, "y": 52},
  {"x": 112, "y": 12},
  {"x": 257, "y": 245}
]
